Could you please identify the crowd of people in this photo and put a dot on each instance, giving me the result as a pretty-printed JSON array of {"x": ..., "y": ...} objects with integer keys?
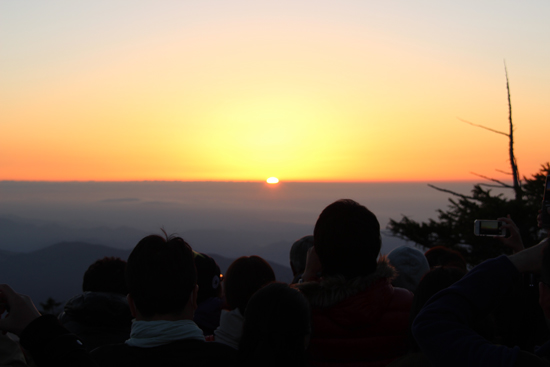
[{"x": 169, "y": 305}]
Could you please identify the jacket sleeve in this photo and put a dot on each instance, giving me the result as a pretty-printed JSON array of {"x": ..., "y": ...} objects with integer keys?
[
  {"x": 50, "y": 344},
  {"x": 442, "y": 329}
]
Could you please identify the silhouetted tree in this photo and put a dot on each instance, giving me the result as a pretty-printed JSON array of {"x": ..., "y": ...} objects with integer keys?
[{"x": 454, "y": 226}]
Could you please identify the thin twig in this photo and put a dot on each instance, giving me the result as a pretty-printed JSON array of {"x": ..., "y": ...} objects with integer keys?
[
  {"x": 484, "y": 127},
  {"x": 489, "y": 185},
  {"x": 451, "y": 192},
  {"x": 494, "y": 180},
  {"x": 506, "y": 173}
]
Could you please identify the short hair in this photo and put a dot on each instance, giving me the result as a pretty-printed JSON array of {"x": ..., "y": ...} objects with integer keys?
[
  {"x": 435, "y": 280},
  {"x": 444, "y": 256},
  {"x": 243, "y": 278},
  {"x": 276, "y": 323},
  {"x": 161, "y": 275},
  {"x": 298, "y": 253},
  {"x": 208, "y": 277},
  {"x": 106, "y": 275},
  {"x": 347, "y": 239}
]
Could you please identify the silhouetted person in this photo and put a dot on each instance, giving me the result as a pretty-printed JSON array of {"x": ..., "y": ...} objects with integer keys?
[
  {"x": 243, "y": 278},
  {"x": 434, "y": 281},
  {"x": 444, "y": 256},
  {"x": 443, "y": 328},
  {"x": 100, "y": 315},
  {"x": 298, "y": 256},
  {"x": 276, "y": 328},
  {"x": 411, "y": 265},
  {"x": 162, "y": 286},
  {"x": 358, "y": 317},
  {"x": 209, "y": 302}
]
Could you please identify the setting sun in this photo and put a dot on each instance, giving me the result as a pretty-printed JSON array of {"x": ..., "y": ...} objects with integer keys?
[{"x": 272, "y": 180}]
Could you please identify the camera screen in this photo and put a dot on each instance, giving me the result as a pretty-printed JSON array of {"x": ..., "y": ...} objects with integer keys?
[{"x": 489, "y": 227}]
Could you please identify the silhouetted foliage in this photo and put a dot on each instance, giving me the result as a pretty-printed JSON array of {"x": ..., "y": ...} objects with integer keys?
[
  {"x": 454, "y": 227},
  {"x": 50, "y": 307}
]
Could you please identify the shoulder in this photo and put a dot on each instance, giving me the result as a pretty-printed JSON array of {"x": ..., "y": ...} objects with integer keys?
[
  {"x": 402, "y": 298},
  {"x": 334, "y": 289}
]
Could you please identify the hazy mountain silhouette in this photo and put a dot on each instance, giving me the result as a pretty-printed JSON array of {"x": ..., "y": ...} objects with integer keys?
[
  {"x": 56, "y": 271},
  {"x": 24, "y": 235}
]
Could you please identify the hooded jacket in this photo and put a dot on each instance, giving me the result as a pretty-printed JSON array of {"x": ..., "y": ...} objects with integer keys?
[
  {"x": 98, "y": 318},
  {"x": 358, "y": 322}
]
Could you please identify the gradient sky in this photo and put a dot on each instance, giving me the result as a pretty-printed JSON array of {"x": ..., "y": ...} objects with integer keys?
[{"x": 245, "y": 90}]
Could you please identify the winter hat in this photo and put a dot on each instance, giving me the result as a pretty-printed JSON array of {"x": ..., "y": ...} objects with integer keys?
[
  {"x": 208, "y": 276},
  {"x": 411, "y": 265}
]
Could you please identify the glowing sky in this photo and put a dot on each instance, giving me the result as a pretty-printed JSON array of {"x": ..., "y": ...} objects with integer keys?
[{"x": 245, "y": 90}]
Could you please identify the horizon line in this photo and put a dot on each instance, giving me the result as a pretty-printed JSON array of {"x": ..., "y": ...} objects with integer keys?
[{"x": 243, "y": 181}]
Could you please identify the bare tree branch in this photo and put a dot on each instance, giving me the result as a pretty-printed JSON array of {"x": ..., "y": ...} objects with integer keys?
[
  {"x": 494, "y": 180},
  {"x": 483, "y": 127},
  {"x": 506, "y": 173},
  {"x": 489, "y": 185},
  {"x": 451, "y": 192}
]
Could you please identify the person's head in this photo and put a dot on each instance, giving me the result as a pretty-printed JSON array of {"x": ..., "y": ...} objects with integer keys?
[
  {"x": 444, "y": 256},
  {"x": 106, "y": 275},
  {"x": 298, "y": 254},
  {"x": 161, "y": 278},
  {"x": 208, "y": 277},
  {"x": 433, "y": 281},
  {"x": 411, "y": 265},
  {"x": 347, "y": 239},
  {"x": 276, "y": 329},
  {"x": 243, "y": 278}
]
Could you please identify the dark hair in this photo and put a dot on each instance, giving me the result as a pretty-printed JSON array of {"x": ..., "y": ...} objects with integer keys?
[
  {"x": 243, "y": 278},
  {"x": 106, "y": 275},
  {"x": 444, "y": 256},
  {"x": 347, "y": 239},
  {"x": 298, "y": 254},
  {"x": 161, "y": 275},
  {"x": 435, "y": 280},
  {"x": 276, "y": 324},
  {"x": 208, "y": 277}
]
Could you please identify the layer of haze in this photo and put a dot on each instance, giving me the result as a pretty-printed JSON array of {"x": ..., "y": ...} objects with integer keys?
[
  {"x": 227, "y": 218},
  {"x": 245, "y": 90}
]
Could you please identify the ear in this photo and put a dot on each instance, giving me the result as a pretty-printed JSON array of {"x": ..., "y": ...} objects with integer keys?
[
  {"x": 544, "y": 299},
  {"x": 132, "y": 305}
]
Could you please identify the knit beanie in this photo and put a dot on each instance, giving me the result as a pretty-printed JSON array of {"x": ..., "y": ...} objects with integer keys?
[{"x": 411, "y": 265}]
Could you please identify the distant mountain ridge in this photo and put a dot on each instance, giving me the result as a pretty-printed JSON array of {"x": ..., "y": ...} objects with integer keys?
[
  {"x": 57, "y": 270},
  {"x": 25, "y": 235}
]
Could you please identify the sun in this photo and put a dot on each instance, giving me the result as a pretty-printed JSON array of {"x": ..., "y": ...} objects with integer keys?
[{"x": 272, "y": 180}]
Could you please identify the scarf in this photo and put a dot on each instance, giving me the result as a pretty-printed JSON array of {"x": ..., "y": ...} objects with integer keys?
[
  {"x": 231, "y": 328},
  {"x": 149, "y": 334}
]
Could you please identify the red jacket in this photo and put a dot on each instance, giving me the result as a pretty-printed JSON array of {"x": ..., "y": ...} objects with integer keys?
[{"x": 361, "y": 322}]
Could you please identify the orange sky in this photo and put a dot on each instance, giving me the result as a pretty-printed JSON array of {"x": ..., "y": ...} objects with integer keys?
[{"x": 238, "y": 90}]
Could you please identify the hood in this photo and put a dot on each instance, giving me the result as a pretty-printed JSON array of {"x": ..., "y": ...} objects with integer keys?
[
  {"x": 335, "y": 289},
  {"x": 355, "y": 302},
  {"x": 97, "y": 308}
]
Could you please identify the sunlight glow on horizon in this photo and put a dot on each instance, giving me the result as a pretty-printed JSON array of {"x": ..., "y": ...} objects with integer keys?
[{"x": 316, "y": 92}]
